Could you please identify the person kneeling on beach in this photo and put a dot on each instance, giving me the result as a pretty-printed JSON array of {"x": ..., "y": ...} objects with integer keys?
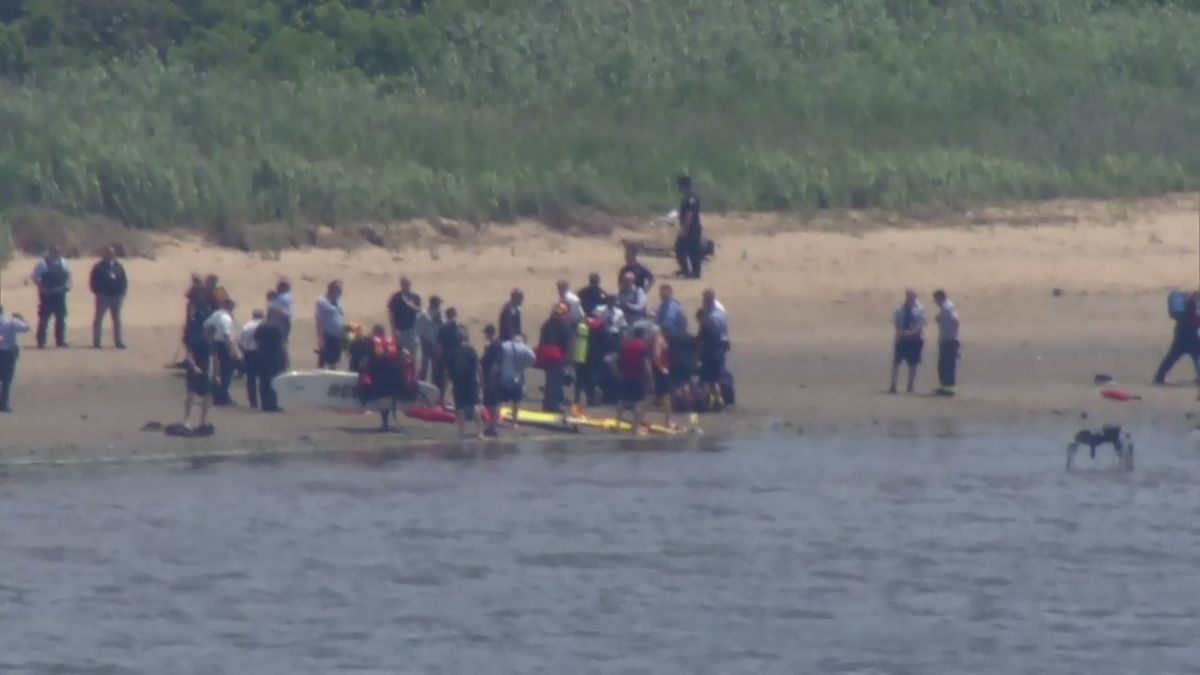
[
  {"x": 909, "y": 322},
  {"x": 634, "y": 368}
]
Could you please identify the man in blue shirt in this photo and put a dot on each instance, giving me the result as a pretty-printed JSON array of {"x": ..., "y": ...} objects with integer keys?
[
  {"x": 331, "y": 327},
  {"x": 671, "y": 317},
  {"x": 10, "y": 327},
  {"x": 52, "y": 277}
]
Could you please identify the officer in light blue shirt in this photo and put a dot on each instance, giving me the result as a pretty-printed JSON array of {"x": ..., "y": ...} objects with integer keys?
[
  {"x": 331, "y": 327},
  {"x": 11, "y": 325},
  {"x": 52, "y": 276},
  {"x": 671, "y": 317}
]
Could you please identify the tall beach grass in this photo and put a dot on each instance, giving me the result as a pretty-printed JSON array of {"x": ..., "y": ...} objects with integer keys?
[{"x": 771, "y": 106}]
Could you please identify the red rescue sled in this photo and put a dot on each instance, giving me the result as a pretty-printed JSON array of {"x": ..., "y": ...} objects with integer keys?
[{"x": 440, "y": 414}]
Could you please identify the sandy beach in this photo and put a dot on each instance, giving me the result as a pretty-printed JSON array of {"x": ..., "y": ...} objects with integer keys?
[{"x": 810, "y": 301}]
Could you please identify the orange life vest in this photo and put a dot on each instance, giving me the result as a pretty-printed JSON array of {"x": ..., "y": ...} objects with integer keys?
[{"x": 384, "y": 348}]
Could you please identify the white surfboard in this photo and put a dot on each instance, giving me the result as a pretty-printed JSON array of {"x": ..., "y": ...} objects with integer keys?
[{"x": 333, "y": 390}]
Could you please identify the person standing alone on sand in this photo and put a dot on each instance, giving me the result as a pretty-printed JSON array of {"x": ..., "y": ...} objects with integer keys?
[
  {"x": 331, "y": 327},
  {"x": 948, "y": 345},
  {"x": 249, "y": 348},
  {"x": 109, "y": 284},
  {"x": 909, "y": 322},
  {"x": 11, "y": 325},
  {"x": 689, "y": 246},
  {"x": 52, "y": 276},
  {"x": 403, "y": 307},
  {"x": 510, "y": 316}
]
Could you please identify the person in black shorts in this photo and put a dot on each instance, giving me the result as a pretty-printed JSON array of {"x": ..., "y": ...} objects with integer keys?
[
  {"x": 465, "y": 375},
  {"x": 909, "y": 322},
  {"x": 199, "y": 384}
]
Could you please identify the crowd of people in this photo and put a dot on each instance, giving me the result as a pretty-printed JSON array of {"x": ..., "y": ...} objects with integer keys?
[
  {"x": 615, "y": 348},
  {"x": 611, "y": 347}
]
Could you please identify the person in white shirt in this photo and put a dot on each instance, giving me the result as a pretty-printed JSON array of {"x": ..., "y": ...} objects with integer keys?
[
  {"x": 909, "y": 322},
  {"x": 948, "y": 345},
  {"x": 567, "y": 297},
  {"x": 219, "y": 329},
  {"x": 631, "y": 299},
  {"x": 249, "y": 348}
]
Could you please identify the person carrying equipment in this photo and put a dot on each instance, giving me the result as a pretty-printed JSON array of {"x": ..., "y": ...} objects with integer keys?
[{"x": 1182, "y": 307}]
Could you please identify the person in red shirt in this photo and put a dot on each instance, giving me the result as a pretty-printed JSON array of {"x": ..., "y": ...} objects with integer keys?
[{"x": 634, "y": 370}]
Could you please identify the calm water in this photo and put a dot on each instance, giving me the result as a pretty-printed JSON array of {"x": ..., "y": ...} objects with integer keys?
[{"x": 771, "y": 556}]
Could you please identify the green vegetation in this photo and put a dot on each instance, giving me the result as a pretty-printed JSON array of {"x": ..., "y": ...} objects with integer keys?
[{"x": 217, "y": 113}]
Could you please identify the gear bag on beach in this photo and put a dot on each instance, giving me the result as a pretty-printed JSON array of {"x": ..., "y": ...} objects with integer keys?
[{"x": 1177, "y": 304}]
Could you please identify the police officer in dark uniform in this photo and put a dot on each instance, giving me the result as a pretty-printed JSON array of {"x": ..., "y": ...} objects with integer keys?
[{"x": 689, "y": 245}]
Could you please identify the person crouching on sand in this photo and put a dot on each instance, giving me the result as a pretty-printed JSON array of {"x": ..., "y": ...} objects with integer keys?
[{"x": 909, "y": 322}]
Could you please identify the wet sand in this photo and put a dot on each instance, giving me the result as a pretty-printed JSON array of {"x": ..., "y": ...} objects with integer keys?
[{"x": 810, "y": 302}]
